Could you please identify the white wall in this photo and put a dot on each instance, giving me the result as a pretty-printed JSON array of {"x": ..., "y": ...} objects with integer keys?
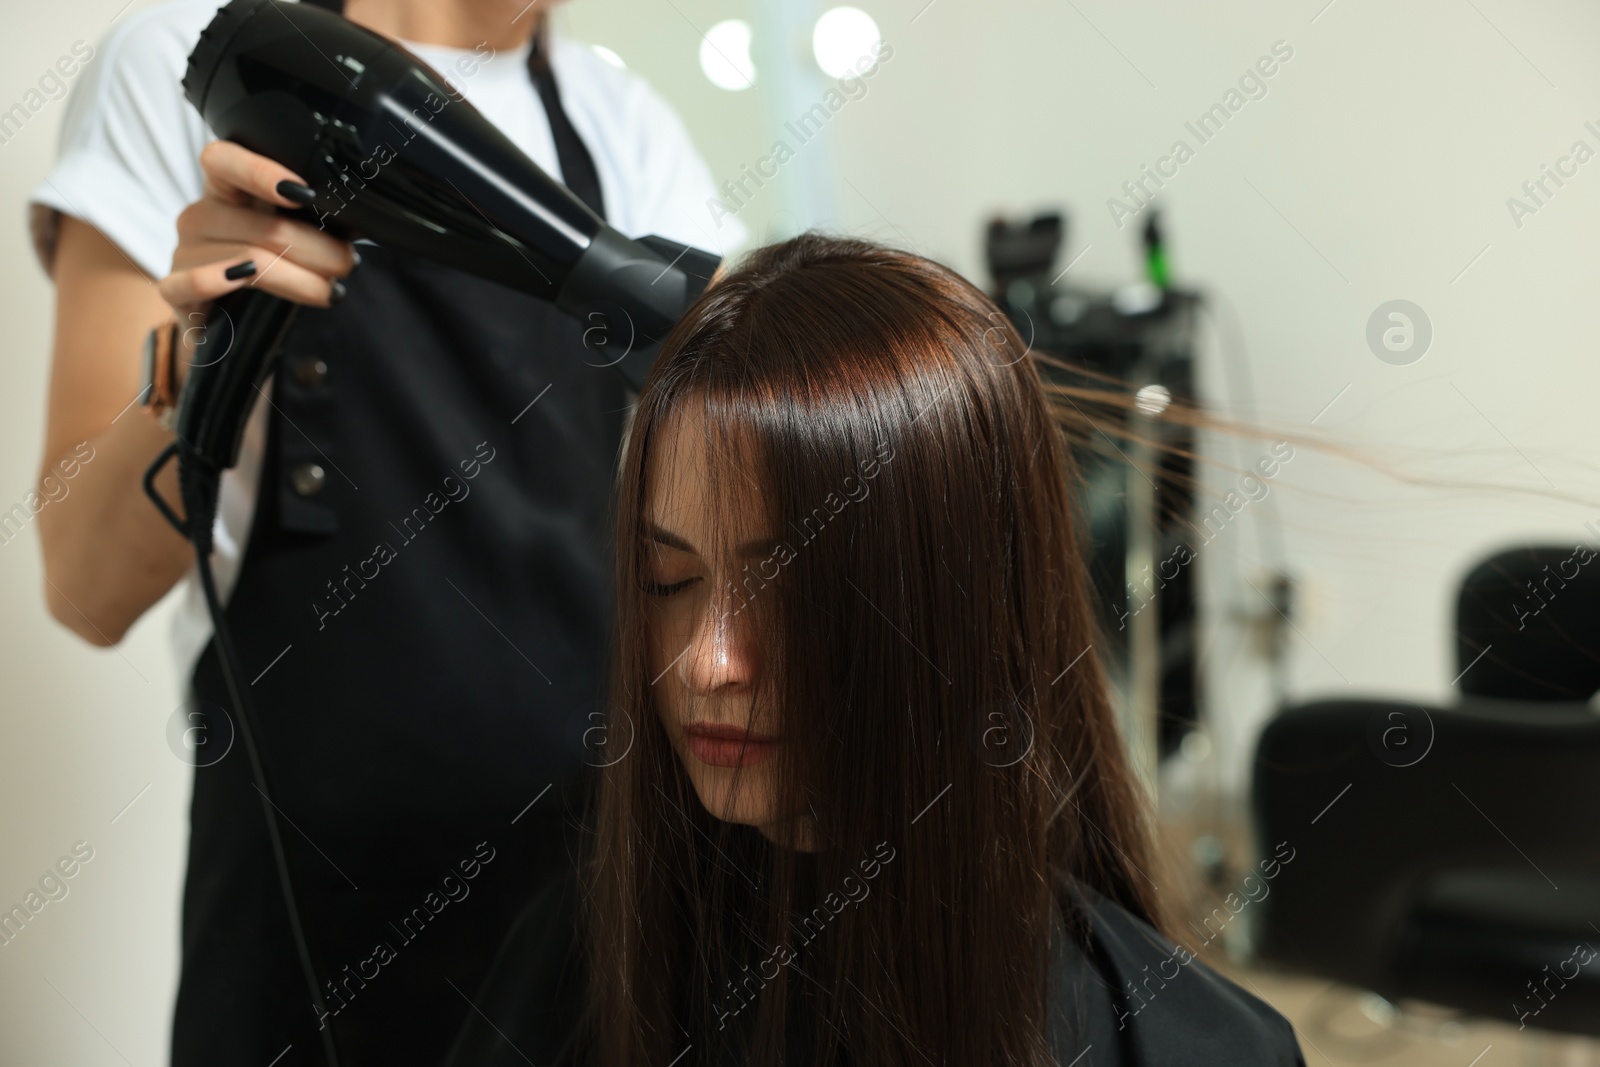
[
  {"x": 1377, "y": 167},
  {"x": 90, "y": 979}
]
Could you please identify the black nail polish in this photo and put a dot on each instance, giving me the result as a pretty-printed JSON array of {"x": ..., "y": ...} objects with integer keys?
[
  {"x": 303, "y": 195},
  {"x": 336, "y": 294},
  {"x": 240, "y": 270}
]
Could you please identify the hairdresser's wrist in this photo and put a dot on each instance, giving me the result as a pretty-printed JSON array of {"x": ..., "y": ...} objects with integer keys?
[
  {"x": 162, "y": 372},
  {"x": 191, "y": 334}
]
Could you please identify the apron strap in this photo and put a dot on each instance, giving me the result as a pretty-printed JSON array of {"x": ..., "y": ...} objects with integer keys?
[{"x": 577, "y": 165}]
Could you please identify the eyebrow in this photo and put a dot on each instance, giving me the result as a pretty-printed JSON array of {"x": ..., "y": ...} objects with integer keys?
[{"x": 760, "y": 546}]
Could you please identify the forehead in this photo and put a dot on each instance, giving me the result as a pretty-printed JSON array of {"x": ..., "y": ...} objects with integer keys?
[{"x": 700, "y": 479}]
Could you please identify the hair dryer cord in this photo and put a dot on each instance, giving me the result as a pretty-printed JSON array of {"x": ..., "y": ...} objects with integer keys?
[{"x": 198, "y": 486}]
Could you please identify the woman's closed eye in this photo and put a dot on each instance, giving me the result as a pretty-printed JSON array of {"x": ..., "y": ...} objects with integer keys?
[{"x": 655, "y": 588}]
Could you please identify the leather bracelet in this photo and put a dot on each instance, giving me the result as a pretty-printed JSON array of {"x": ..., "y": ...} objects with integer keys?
[{"x": 160, "y": 373}]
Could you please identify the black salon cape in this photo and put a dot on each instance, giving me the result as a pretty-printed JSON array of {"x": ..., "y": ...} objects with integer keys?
[{"x": 1184, "y": 1013}]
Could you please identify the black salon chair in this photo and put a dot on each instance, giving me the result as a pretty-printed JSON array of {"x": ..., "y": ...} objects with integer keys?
[{"x": 1451, "y": 854}]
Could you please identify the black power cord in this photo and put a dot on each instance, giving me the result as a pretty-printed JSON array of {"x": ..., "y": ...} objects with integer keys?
[{"x": 198, "y": 487}]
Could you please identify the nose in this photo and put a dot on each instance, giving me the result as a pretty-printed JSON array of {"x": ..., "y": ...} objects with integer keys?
[{"x": 722, "y": 654}]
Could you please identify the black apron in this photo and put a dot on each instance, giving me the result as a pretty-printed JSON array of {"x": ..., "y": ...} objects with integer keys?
[{"x": 424, "y": 607}]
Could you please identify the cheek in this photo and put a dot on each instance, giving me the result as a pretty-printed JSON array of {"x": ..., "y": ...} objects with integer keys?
[
  {"x": 670, "y": 618},
  {"x": 665, "y": 688},
  {"x": 668, "y": 633},
  {"x": 760, "y": 796}
]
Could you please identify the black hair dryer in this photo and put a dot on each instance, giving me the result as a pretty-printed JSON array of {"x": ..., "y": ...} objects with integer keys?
[{"x": 397, "y": 156}]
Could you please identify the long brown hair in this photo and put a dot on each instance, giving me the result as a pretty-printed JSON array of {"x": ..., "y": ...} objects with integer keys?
[{"x": 931, "y": 654}]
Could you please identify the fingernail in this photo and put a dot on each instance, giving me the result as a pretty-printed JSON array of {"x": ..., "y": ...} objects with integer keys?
[
  {"x": 303, "y": 195},
  {"x": 240, "y": 270},
  {"x": 357, "y": 253},
  {"x": 336, "y": 294}
]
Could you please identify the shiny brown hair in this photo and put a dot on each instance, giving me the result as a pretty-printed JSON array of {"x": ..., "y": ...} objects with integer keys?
[{"x": 930, "y": 651}]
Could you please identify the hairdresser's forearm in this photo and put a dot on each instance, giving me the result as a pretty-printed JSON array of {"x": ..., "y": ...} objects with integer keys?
[{"x": 108, "y": 553}]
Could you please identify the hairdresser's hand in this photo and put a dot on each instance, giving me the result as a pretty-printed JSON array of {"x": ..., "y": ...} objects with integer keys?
[{"x": 234, "y": 225}]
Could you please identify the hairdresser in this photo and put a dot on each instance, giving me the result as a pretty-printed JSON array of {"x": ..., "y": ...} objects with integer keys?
[{"x": 412, "y": 550}]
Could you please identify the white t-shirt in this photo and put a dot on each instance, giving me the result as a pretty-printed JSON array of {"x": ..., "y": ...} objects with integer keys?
[{"x": 128, "y": 164}]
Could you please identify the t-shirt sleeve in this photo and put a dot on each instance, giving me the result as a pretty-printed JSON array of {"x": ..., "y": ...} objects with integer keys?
[
  {"x": 127, "y": 161},
  {"x": 680, "y": 199},
  {"x": 658, "y": 181}
]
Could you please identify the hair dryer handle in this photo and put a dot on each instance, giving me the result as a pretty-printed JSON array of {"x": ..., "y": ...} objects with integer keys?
[{"x": 234, "y": 354}]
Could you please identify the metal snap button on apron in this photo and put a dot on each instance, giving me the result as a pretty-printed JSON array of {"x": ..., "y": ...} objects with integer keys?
[
  {"x": 308, "y": 478},
  {"x": 309, "y": 373}
]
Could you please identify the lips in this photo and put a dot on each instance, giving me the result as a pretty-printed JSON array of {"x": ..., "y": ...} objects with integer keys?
[{"x": 728, "y": 746}]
